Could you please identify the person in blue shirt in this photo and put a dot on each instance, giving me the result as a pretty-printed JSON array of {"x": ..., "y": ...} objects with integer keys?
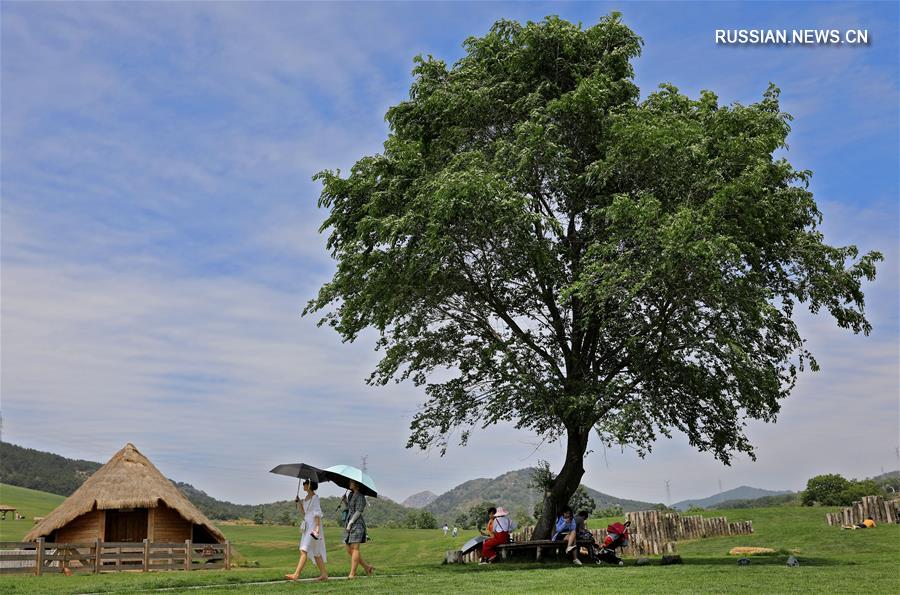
[{"x": 565, "y": 530}]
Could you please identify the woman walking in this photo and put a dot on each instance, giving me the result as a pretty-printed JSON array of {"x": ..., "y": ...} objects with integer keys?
[
  {"x": 355, "y": 532},
  {"x": 312, "y": 537}
]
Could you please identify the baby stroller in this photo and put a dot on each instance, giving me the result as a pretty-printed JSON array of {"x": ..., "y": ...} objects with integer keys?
[{"x": 616, "y": 537}]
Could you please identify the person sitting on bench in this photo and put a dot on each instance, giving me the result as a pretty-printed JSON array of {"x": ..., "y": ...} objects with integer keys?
[
  {"x": 566, "y": 530},
  {"x": 499, "y": 528}
]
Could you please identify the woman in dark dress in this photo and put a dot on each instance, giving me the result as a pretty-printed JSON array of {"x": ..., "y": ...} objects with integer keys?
[{"x": 355, "y": 531}]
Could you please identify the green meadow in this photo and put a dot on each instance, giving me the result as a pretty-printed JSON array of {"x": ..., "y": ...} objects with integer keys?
[{"x": 409, "y": 560}]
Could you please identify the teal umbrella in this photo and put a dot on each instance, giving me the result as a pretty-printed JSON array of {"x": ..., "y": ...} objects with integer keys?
[{"x": 343, "y": 474}]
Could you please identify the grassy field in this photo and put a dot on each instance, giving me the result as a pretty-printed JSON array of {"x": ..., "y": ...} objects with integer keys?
[
  {"x": 30, "y": 503},
  {"x": 409, "y": 560}
]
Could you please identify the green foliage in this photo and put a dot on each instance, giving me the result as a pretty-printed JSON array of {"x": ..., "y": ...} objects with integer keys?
[
  {"x": 420, "y": 519},
  {"x": 542, "y": 477},
  {"x": 462, "y": 521},
  {"x": 477, "y": 516},
  {"x": 582, "y": 260},
  {"x": 859, "y": 488},
  {"x": 522, "y": 518},
  {"x": 610, "y": 511},
  {"x": 694, "y": 509},
  {"x": 43, "y": 471},
  {"x": 580, "y": 500},
  {"x": 825, "y": 490},
  {"x": 835, "y": 490},
  {"x": 258, "y": 517}
]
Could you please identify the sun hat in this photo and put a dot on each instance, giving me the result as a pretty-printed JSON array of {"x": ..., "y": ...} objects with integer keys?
[{"x": 501, "y": 511}]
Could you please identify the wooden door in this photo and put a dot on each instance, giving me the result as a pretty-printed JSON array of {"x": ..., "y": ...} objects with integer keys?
[{"x": 130, "y": 526}]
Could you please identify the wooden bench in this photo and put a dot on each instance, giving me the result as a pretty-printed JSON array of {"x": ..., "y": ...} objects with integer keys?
[{"x": 538, "y": 546}]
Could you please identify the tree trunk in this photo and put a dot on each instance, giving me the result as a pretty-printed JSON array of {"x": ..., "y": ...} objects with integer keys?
[{"x": 566, "y": 482}]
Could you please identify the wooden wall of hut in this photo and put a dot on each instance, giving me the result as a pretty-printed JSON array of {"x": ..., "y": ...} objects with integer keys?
[
  {"x": 85, "y": 528},
  {"x": 168, "y": 526}
]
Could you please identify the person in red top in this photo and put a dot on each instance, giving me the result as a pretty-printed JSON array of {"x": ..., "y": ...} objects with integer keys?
[{"x": 498, "y": 529}]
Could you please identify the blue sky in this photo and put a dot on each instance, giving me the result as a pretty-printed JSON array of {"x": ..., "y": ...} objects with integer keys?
[{"x": 159, "y": 233}]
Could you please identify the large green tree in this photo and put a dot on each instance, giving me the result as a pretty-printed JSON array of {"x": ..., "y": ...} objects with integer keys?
[{"x": 537, "y": 246}]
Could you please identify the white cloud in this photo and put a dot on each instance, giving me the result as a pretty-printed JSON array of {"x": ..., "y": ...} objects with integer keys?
[{"x": 156, "y": 259}]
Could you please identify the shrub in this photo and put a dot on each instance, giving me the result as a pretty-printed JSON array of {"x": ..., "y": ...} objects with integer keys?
[{"x": 826, "y": 490}]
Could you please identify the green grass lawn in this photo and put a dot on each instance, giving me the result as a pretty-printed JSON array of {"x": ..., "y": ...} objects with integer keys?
[
  {"x": 409, "y": 560},
  {"x": 30, "y": 503}
]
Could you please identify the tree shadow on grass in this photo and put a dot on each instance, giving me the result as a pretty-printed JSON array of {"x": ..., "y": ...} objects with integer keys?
[
  {"x": 780, "y": 560},
  {"x": 757, "y": 561}
]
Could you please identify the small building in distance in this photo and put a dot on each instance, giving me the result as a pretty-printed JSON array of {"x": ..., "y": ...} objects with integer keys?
[{"x": 126, "y": 500}]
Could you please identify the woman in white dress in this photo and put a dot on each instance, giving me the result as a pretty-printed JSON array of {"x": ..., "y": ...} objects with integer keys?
[{"x": 312, "y": 537}]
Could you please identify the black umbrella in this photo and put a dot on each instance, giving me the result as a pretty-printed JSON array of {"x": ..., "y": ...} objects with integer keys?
[{"x": 301, "y": 471}]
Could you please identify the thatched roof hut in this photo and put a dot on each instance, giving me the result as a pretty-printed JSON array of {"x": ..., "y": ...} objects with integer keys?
[{"x": 127, "y": 500}]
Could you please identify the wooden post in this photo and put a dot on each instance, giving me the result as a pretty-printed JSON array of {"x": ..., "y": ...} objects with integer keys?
[
  {"x": 146, "y": 555},
  {"x": 187, "y": 554},
  {"x": 39, "y": 556},
  {"x": 97, "y": 562},
  {"x": 227, "y": 555}
]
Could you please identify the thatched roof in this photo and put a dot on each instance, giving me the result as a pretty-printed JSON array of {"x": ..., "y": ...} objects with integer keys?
[{"x": 128, "y": 480}]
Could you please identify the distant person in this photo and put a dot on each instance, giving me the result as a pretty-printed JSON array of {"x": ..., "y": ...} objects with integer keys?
[
  {"x": 446, "y": 529},
  {"x": 499, "y": 527},
  {"x": 312, "y": 538},
  {"x": 355, "y": 532},
  {"x": 567, "y": 530},
  {"x": 455, "y": 531},
  {"x": 869, "y": 523}
]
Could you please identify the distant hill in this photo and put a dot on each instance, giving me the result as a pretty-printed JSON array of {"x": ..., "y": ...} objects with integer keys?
[
  {"x": 787, "y": 499},
  {"x": 420, "y": 500},
  {"x": 55, "y": 474},
  {"x": 512, "y": 490},
  {"x": 44, "y": 471},
  {"x": 741, "y": 493},
  {"x": 891, "y": 478}
]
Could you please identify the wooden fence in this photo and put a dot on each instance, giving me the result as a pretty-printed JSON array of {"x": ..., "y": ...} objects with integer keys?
[
  {"x": 661, "y": 527},
  {"x": 637, "y": 545},
  {"x": 653, "y": 533},
  {"x": 881, "y": 511},
  {"x": 39, "y": 557}
]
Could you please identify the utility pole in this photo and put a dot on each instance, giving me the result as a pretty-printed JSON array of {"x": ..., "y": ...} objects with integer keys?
[
  {"x": 364, "y": 459},
  {"x": 720, "y": 485},
  {"x": 668, "y": 494}
]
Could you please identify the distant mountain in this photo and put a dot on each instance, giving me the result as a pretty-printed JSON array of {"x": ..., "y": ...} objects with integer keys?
[
  {"x": 741, "y": 493},
  {"x": 513, "y": 491},
  {"x": 787, "y": 499},
  {"x": 29, "y": 468},
  {"x": 44, "y": 471},
  {"x": 889, "y": 478},
  {"x": 420, "y": 500}
]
